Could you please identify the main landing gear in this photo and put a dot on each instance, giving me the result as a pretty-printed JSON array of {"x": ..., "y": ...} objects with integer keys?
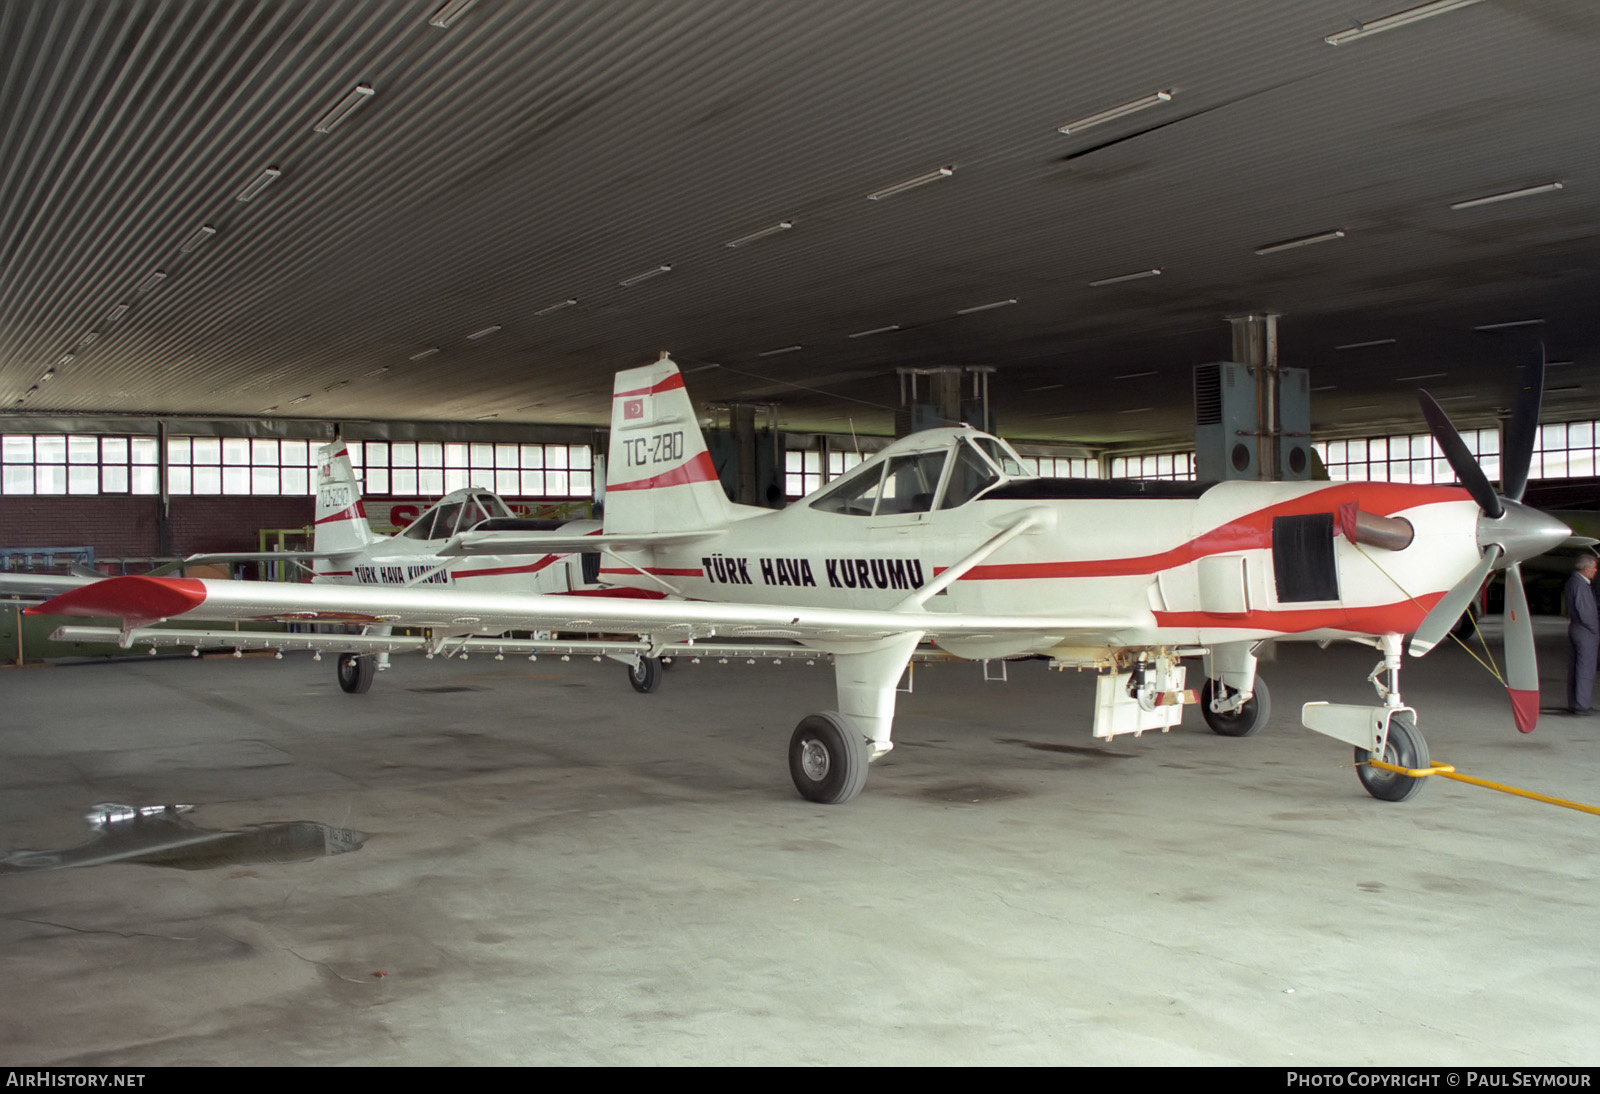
[
  {"x": 355, "y": 672},
  {"x": 1242, "y": 720},
  {"x": 829, "y": 752},
  {"x": 828, "y": 759},
  {"x": 645, "y": 674}
]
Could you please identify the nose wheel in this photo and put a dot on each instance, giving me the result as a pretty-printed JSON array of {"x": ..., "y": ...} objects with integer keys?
[{"x": 1404, "y": 748}]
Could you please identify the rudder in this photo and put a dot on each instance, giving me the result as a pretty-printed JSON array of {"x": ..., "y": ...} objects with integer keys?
[
  {"x": 341, "y": 520},
  {"x": 659, "y": 474}
]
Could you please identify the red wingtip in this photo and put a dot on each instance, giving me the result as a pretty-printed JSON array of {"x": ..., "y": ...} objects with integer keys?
[
  {"x": 1524, "y": 709},
  {"x": 135, "y": 600}
]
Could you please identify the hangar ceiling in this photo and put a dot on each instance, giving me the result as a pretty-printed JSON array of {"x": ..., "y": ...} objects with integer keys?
[{"x": 469, "y": 240}]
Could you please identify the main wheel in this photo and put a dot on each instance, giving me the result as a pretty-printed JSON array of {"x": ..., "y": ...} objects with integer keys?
[
  {"x": 645, "y": 675},
  {"x": 1404, "y": 748},
  {"x": 827, "y": 758},
  {"x": 356, "y": 672},
  {"x": 1244, "y": 722}
]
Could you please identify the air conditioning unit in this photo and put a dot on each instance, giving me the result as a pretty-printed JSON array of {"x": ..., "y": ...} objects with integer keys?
[{"x": 1227, "y": 427}]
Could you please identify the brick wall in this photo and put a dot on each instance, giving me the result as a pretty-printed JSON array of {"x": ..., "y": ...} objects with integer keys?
[{"x": 128, "y": 526}]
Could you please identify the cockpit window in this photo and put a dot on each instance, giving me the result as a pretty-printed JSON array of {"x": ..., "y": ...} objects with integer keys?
[
  {"x": 970, "y": 474},
  {"x": 1005, "y": 459},
  {"x": 903, "y": 484}
]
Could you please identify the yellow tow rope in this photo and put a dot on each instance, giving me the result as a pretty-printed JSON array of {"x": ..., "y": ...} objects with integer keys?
[{"x": 1449, "y": 772}]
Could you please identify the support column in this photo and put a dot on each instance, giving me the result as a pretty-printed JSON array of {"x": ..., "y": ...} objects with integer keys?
[{"x": 1255, "y": 343}]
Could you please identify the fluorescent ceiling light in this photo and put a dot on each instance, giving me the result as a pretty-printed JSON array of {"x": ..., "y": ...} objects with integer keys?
[
  {"x": 770, "y": 230},
  {"x": 204, "y": 233},
  {"x": 429, "y": 352},
  {"x": 636, "y": 278},
  {"x": 1326, "y": 387},
  {"x": 557, "y": 306},
  {"x": 449, "y": 13},
  {"x": 1045, "y": 387},
  {"x": 902, "y": 187},
  {"x": 1556, "y": 364},
  {"x": 1565, "y": 387},
  {"x": 485, "y": 417},
  {"x": 49, "y": 372},
  {"x": 344, "y": 108},
  {"x": 1136, "y": 375},
  {"x": 116, "y": 313},
  {"x": 1363, "y": 406},
  {"x": 1399, "y": 19},
  {"x": 875, "y": 330},
  {"x": 156, "y": 277},
  {"x": 1153, "y": 99},
  {"x": 1513, "y": 323},
  {"x": 303, "y": 398},
  {"x": 379, "y": 371},
  {"x": 1420, "y": 376},
  {"x": 1137, "y": 276},
  {"x": 1303, "y": 241},
  {"x": 484, "y": 333},
  {"x": 88, "y": 338},
  {"x": 1137, "y": 410},
  {"x": 258, "y": 184},
  {"x": 1364, "y": 345},
  {"x": 775, "y": 352},
  {"x": 986, "y": 307},
  {"x": 66, "y": 358},
  {"x": 1490, "y": 199}
]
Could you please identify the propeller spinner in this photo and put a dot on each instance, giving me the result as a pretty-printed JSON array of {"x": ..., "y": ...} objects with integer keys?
[{"x": 1508, "y": 533}]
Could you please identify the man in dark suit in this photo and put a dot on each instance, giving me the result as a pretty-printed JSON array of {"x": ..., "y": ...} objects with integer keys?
[{"x": 1583, "y": 635}]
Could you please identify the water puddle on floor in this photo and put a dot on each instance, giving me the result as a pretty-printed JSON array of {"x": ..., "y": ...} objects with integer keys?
[{"x": 160, "y": 835}]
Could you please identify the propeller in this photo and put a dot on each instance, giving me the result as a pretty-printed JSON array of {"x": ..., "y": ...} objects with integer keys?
[{"x": 1508, "y": 532}]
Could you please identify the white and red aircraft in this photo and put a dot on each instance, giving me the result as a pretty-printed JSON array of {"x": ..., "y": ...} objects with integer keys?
[{"x": 944, "y": 536}]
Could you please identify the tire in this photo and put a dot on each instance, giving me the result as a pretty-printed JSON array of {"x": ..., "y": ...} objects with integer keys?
[
  {"x": 1467, "y": 625},
  {"x": 827, "y": 759},
  {"x": 1405, "y": 748},
  {"x": 356, "y": 672},
  {"x": 1247, "y": 721},
  {"x": 646, "y": 675}
]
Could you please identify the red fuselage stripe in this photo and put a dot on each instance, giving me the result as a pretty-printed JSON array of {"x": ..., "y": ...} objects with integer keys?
[{"x": 1250, "y": 532}]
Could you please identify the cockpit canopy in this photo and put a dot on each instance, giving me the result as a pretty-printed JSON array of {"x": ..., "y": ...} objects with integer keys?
[
  {"x": 936, "y": 469},
  {"x": 455, "y": 513}
]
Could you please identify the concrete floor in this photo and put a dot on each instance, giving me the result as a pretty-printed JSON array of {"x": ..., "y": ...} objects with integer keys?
[{"x": 560, "y": 871}]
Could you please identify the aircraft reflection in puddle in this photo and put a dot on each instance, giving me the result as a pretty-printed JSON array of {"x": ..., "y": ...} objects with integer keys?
[{"x": 159, "y": 835}]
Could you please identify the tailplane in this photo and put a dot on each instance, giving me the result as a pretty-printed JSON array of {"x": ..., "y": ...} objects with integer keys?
[
  {"x": 659, "y": 474},
  {"x": 341, "y": 523}
]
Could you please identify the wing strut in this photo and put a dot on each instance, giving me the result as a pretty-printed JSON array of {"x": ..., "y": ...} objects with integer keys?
[{"x": 1026, "y": 522}]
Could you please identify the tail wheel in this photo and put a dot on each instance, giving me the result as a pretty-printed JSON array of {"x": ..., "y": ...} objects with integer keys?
[
  {"x": 1405, "y": 748},
  {"x": 1244, "y": 722},
  {"x": 828, "y": 758},
  {"x": 645, "y": 675},
  {"x": 356, "y": 672}
]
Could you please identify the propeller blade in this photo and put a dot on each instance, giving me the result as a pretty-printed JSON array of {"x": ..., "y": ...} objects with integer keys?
[
  {"x": 1522, "y": 430},
  {"x": 1438, "y": 622},
  {"x": 1461, "y": 459},
  {"x": 1522, "y": 667}
]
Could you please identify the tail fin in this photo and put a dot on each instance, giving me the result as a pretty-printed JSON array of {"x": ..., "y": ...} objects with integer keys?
[
  {"x": 659, "y": 475},
  {"x": 341, "y": 524}
]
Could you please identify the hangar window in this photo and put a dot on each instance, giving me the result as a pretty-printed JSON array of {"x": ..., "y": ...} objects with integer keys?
[
  {"x": 1063, "y": 467},
  {"x": 1170, "y": 466},
  {"x": 420, "y": 469},
  {"x": 72, "y": 463}
]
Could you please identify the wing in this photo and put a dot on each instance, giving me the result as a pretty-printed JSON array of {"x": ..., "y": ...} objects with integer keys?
[{"x": 141, "y": 600}]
